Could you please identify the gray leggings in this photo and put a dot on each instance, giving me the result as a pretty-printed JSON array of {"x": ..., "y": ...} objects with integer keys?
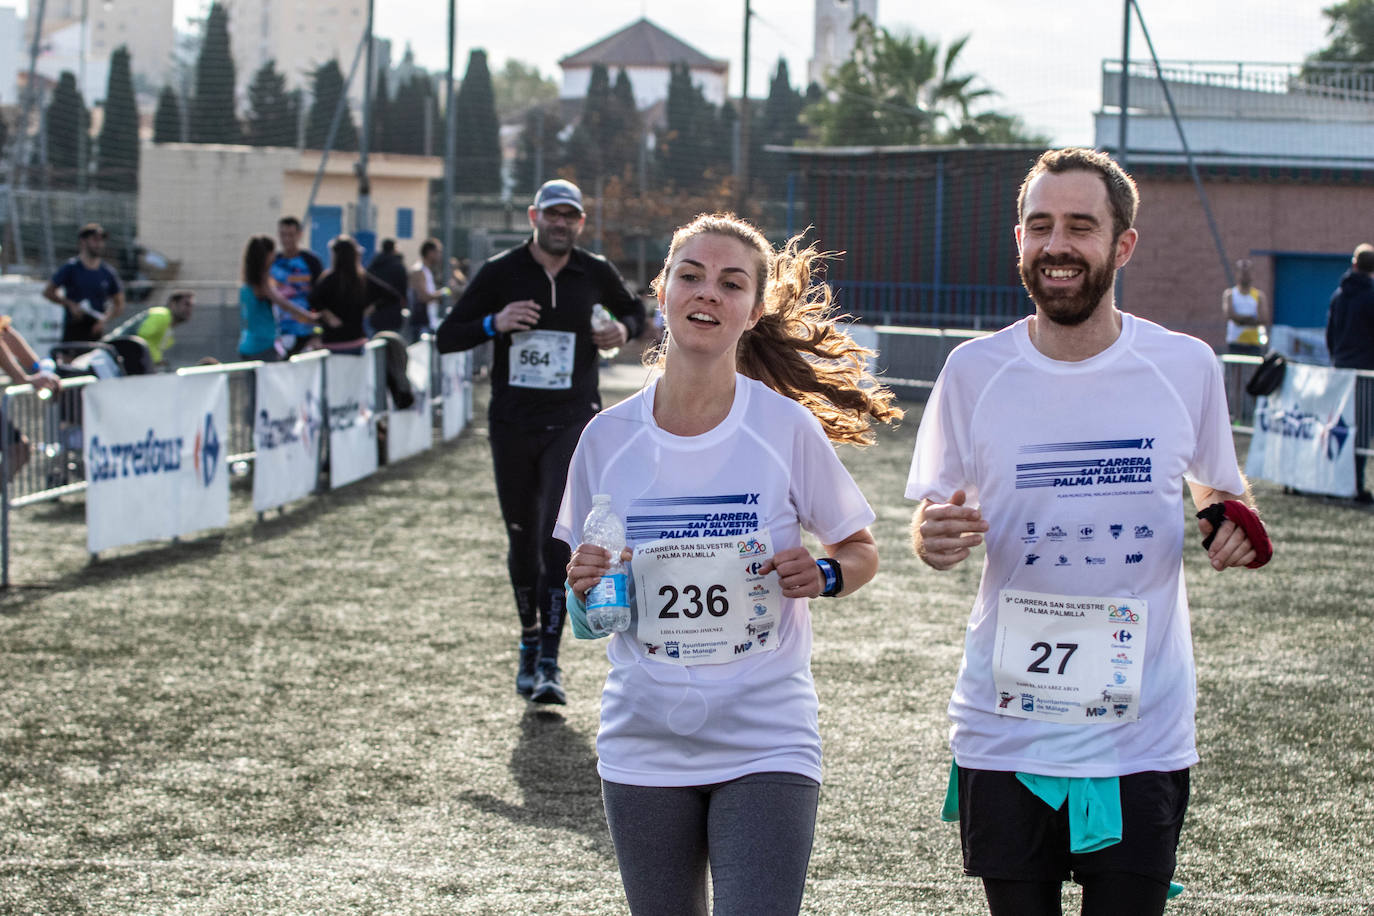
[{"x": 755, "y": 832}]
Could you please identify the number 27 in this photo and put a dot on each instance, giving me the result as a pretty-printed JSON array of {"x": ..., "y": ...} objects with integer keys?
[{"x": 1038, "y": 666}]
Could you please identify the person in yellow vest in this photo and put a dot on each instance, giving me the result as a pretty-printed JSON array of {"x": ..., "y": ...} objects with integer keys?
[
  {"x": 156, "y": 326},
  {"x": 1248, "y": 316}
]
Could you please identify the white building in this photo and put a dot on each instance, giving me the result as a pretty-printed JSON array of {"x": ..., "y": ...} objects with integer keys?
[
  {"x": 11, "y": 55},
  {"x": 145, "y": 27},
  {"x": 646, "y": 53},
  {"x": 298, "y": 36},
  {"x": 834, "y": 40}
]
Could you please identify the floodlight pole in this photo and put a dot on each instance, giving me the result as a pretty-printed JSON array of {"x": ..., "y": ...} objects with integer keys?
[
  {"x": 363, "y": 218},
  {"x": 1124, "y": 89},
  {"x": 450, "y": 139},
  {"x": 742, "y": 178}
]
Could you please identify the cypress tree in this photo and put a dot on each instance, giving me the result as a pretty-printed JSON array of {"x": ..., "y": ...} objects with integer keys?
[
  {"x": 781, "y": 126},
  {"x": 588, "y": 149},
  {"x": 478, "y": 147},
  {"x": 213, "y": 118},
  {"x": 328, "y": 82},
  {"x": 117, "y": 152},
  {"x": 65, "y": 121},
  {"x": 167, "y": 119},
  {"x": 381, "y": 114},
  {"x": 269, "y": 120},
  {"x": 405, "y": 118},
  {"x": 540, "y": 153},
  {"x": 625, "y": 132}
]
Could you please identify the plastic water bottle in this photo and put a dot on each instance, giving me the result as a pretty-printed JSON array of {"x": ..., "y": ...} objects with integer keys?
[
  {"x": 47, "y": 367},
  {"x": 608, "y": 602},
  {"x": 601, "y": 320}
]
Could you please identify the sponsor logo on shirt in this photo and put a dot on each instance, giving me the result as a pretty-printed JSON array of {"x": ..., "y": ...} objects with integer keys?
[
  {"x": 1143, "y": 531},
  {"x": 1116, "y": 531},
  {"x": 1132, "y": 558}
]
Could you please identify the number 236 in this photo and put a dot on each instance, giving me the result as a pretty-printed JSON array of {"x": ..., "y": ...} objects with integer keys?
[{"x": 715, "y": 604}]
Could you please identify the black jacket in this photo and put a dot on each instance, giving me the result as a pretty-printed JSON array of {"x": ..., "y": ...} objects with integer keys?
[
  {"x": 565, "y": 302},
  {"x": 1350, "y": 322},
  {"x": 391, "y": 270}
]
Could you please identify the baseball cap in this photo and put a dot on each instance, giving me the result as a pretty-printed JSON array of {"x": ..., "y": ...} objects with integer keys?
[
  {"x": 557, "y": 192},
  {"x": 92, "y": 229}
]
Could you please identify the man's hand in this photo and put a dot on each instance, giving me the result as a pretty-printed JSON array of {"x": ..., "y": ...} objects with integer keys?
[
  {"x": 520, "y": 315},
  {"x": 1230, "y": 547},
  {"x": 942, "y": 534},
  {"x": 610, "y": 337}
]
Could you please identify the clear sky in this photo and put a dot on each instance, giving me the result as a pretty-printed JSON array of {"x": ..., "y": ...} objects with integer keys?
[{"x": 1042, "y": 56}]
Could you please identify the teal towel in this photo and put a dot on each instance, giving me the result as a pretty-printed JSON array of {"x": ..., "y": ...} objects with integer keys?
[{"x": 1094, "y": 808}]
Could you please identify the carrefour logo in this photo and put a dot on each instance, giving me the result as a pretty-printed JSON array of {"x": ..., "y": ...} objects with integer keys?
[{"x": 207, "y": 450}]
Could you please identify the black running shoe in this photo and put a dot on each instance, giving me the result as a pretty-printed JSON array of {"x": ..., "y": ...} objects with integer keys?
[
  {"x": 548, "y": 684},
  {"x": 524, "y": 674}
]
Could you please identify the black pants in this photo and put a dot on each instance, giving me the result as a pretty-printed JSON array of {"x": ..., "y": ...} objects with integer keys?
[{"x": 531, "y": 468}]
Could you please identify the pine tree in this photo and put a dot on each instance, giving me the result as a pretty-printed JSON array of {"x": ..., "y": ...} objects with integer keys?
[
  {"x": 213, "y": 118},
  {"x": 269, "y": 120},
  {"x": 696, "y": 145},
  {"x": 117, "y": 152},
  {"x": 66, "y": 119},
  {"x": 478, "y": 161},
  {"x": 328, "y": 81},
  {"x": 780, "y": 126},
  {"x": 167, "y": 119}
]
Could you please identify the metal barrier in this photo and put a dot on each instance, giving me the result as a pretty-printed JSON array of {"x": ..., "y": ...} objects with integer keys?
[{"x": 42, "y": 438}]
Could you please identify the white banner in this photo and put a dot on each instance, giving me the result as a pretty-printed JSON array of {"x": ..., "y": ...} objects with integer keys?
[
  {"x": 453, "y": 373},
  {"x": 36, "y": 319},
  {"x": 286, "y": 432},
  {"x": 155, "y": 447},
  {"x": 411, "y": 431},
  {"x": 352, "y": 425},
  {"x": 1305, "y": 433}
]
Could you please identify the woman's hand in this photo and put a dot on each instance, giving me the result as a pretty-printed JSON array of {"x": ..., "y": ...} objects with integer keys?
[
  {"x": 588, "y": 564},
  {"x": 798, "y": 573}
]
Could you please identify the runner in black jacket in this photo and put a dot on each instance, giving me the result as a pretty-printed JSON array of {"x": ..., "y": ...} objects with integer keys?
[{"x": 534, "y": 302}]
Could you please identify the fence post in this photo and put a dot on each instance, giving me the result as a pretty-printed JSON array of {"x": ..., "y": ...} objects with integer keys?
[{"x": 6, "y": 437}]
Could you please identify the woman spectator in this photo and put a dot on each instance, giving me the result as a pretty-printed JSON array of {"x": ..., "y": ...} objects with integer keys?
[
  {"x": 257, "y": 295},
  {"x": 345, "y": 295}
]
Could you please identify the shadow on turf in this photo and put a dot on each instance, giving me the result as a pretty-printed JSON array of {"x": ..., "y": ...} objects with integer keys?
[{"x": 555, "y": 769}]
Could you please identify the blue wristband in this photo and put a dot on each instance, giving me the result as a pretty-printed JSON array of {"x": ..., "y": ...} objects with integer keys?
[
  {"x": 489, "y": 325},
  {"x": 834, "y": 581}
]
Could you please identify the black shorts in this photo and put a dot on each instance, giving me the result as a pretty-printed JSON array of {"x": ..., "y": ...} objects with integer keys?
[{"x": 1009, "y": 834}]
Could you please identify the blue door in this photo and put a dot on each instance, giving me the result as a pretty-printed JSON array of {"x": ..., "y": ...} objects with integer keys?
[
  {"x": 325, "y": 223},
  {"x": 1303, "y": 284}
]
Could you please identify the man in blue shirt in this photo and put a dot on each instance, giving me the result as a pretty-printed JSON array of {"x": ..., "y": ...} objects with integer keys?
[
  {"x": 295, "y": 270},
  {"x": 87, "y": 288}
]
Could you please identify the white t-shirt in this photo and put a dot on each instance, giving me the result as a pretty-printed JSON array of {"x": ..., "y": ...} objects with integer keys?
[
  {"x": 767, "y": 465},
  {"x": 1079, "y": 469}
]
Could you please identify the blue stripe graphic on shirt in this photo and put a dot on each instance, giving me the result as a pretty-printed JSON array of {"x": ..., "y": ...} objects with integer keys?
[
  {"x": 1083, "y": 446},
  {"x": 657, "y": 525}
]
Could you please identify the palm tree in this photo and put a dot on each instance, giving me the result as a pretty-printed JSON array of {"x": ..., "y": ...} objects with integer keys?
[{"x": 900, "y": 90}]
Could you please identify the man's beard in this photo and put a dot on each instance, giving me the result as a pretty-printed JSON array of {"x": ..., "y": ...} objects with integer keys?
[
  {"x": 556, "y": 246},
  {"x": 1068, "y": 307}
]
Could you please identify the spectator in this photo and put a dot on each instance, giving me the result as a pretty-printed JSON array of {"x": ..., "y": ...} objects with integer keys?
[
  {"x": 156, "y": 327},
  {"x": 257, "y": 296},
  {"x": 389, "y": 267},
  {"x": 1247, "y": 313},
  {"x": 426, "y": 296},
  {"x": 1350, "y": 339},
  {"x": 344, "y": 298},
  {"x": 91, "y": 294},
  {"x": 295, "y": 271},
  {"x": 21, "y": 364}
]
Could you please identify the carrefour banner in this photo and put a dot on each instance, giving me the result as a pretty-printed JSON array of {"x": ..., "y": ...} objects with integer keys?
[
  {"x": 453, "y": 375},
  {"x": 349, "y": 382},
  {"x": 410, "y": 431},
  {"x": 287, "y": 425},
  {"x": 155, "y": 449},
  {"x": 1305, "y": 433}
]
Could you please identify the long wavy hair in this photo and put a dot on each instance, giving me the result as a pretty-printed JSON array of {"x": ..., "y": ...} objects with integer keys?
[
  {"x": 800, "y": 347},
  {"x": 257, "y": 258}
]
